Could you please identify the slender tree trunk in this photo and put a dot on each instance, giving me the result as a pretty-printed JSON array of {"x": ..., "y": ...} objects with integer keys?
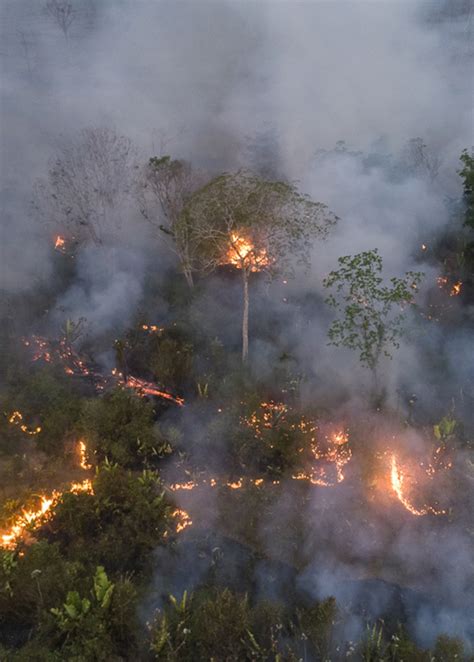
[
  {"x": 245, "y": 317},
  {"x": 188, "y": 274}
]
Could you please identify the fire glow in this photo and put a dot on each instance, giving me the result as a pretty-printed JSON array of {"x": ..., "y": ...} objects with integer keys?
[
  {"x": 242, "y": 254},
  {"x": 16, "y": 418},
  {"x": 60, "y": 243},
  {"x": 75, "y": 366},
  {"x": 32, "y": 518},
  {"x": 398, "y": 484}
]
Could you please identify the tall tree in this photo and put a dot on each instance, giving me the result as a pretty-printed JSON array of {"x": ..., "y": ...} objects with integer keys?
[
  {"x": 372, "y": 312},
  {"x": 255, "y": 225},
  {"x": 164, "y": 189}
]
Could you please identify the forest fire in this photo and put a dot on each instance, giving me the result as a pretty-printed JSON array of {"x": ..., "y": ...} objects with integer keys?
[
  {"x": 60, "y": 243},
  {"x": 242, "y": 254},
  {"x": 456, "y": 289},
  {"x": 331, "y": 456},
  {"x": 16, "y": 418},
  {"x": 82, "y": 452},
  {"x": 148, "y": 388},
  {"x": 183, "y": 520},
  {"x": 32, "y": 518},
  {"x": 398, "y": 484},
  {"x": 73, "y": 365},
  {"x": 152, "y": 328}
]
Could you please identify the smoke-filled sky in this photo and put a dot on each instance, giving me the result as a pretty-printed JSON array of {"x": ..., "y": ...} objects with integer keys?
[{"x": 203, "y": 79}]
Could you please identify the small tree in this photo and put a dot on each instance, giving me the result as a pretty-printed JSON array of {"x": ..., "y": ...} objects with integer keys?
[
  {"x": 255, "y": 225},
  {"x": 420, "y": 160},
  {"x": 373, "y": 313},
  {"x": 164, "y": 189},
  {"x": 62, "y": 13},
  {"x": 467, "y": 175}
]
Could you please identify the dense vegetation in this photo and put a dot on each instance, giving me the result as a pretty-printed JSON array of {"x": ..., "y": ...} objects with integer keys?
[{"x": 90, "y": 580}]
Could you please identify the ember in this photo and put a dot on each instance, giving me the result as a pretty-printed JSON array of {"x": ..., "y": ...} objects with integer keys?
[
  {"x": 60, "y": 244},
  {"x": 183, "y": 519},
  {"x": 16, "y": 418}
]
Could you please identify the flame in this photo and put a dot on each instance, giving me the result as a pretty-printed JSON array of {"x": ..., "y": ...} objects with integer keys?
[
  {"x": 16, "y": 418},
  {"x": 74, "y": 365},
  {"x": 60, "y": 243},
  {"x": 82, "y": 451},
  {"x": 32, "y": 518},
  {"x": 152, "y": 328},
  {"x": 183, "y": 519},
  {"x": 397, "y": 478},
  {"x": 26, "y": 519},
  {"x": 456, "y": 289},
  {"x": 148, "y": 388},
  {"x": 243, "y": 255}
]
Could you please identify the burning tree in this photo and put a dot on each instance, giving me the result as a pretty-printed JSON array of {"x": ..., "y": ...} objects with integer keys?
[
  {"x": 373, "y": 313},
  {"x": 255, "y": 225},
  {"x": 163, "y": 192}
]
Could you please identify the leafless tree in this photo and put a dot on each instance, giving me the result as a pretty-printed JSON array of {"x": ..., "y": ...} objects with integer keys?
[
  {"x": 62, "y": 12},
  {"x": 420, "y": 160},
  {"x": 87, "y": 183},
  {"x": 26, "y": 42},
  {"x": 164, "y": 189}
]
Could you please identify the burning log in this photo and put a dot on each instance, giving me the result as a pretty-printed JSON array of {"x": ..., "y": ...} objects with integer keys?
[{"x": 148, "y": 388}]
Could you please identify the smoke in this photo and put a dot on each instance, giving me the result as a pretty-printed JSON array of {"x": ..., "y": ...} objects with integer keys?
[{"x": 275, "y": 85}]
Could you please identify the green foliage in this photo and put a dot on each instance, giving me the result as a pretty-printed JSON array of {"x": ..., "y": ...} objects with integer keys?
[
  {"x": 120, "y": 427},
  {"x": 444, "y": 430},
  {"x": 218, "y": 624},
  {"x": 273, "y": 216},
  {"x": 317, "y": 624},
  {"x": 119, "y": 525},
  {"x": 373, "y": 313},
  {"x": 376, "y": 647},
  {"x": 467, "y": 175},
  {"x": 46, "y": 399},
  {"x": 31, "y": 583},
  {"x": 448, "y": 649},
  {"x": 214, "y": 625},
  {"x": 93, "y": 628}
]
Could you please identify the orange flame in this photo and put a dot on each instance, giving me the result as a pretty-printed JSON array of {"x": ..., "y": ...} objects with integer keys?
[
  {"x": 398, "y": 481},
  {"x": 33, "y": 518},
  {"x": 243, "y": 255},
  {"x": 183, "y": 519},
  {"x": 82, "y": 451},
  {"x": 16, "y": 418},
  {"x": 456, "y": 289},
  {"x": 60, "y": 243},
  {"x": 148, "y": 388}
]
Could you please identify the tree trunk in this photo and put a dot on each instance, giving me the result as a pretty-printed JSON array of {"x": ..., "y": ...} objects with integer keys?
[
  {"x": 245, "y": 317},
  {"x": 188, "y": 274}
]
